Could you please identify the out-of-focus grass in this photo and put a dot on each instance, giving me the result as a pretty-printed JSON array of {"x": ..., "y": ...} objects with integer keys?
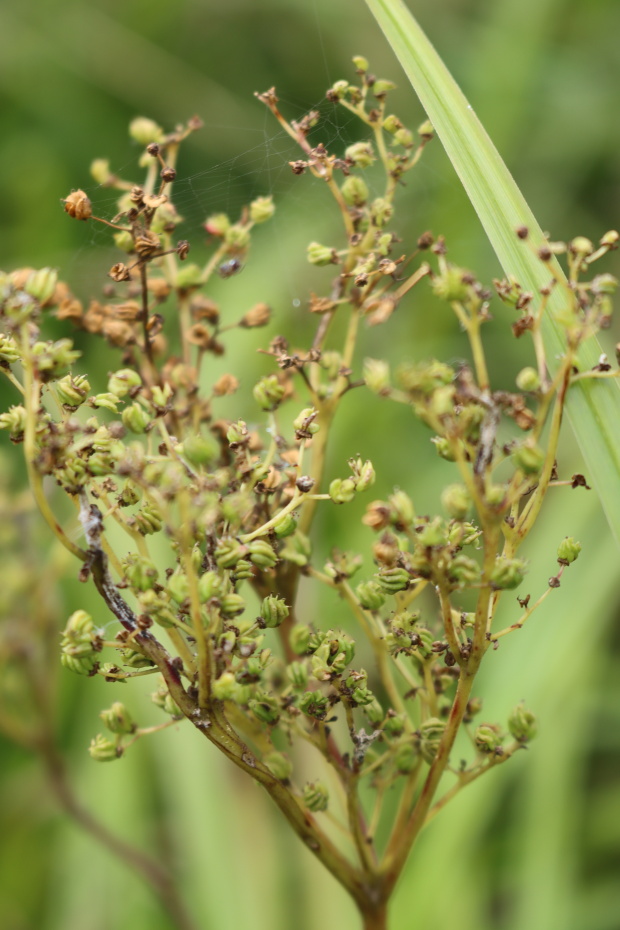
[{"x": 532, "y": 845}]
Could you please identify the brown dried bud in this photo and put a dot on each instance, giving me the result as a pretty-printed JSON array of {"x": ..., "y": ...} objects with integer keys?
[
  {"x": 153, "y": 149},
  {"x": 129, "y": 310},
  {"x": 299, "y": 166},
  {"x": 136, "y": 194},
  {"x": 426, "y": 240},
  {"x": 200, "y": 336},
  {"x": 321, "y": 304},
  {"x": 94, "y": 317},
  {"x": 158, "y": 287},
  {"x": 119, "y": 272},
  {"x": 522, "y": 325},
  {"x": 118, "y": 333},
  {"x": 227, "y": 384},
  {"x": 203, "y": 308},
  {"x": 268, "y": 97},
  {"x": 78, "y": 205},
  {"x": 70, "y": 309},
  {"x": 377, "y": 515},
  {"x": 168, "y": 174},
  {"x": 259, "y": 315}
]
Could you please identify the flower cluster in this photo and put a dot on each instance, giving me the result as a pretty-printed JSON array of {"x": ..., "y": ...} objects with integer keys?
[{"x": 219, "y": 619}]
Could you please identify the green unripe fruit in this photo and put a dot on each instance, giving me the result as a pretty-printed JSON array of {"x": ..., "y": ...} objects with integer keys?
[
  {"x": 268, "y": 392},
  {"x": 529, "y": 458},
  {"x": 284, "y": 525},
  {"x": 392, "y": 580},
  {"x": 274, "y": 611},
  {"x": 342, "y": 490},
  {"x": 224, "y": 687},
  {"x": 262, "y": 554},
  {"x": 488, "y": 738},
  {"x": 528, "y": 379},
  {"x": 314, "y": 704},
  {"x": 117, "y": 719},
  {"x": 265, "y": 708},
  {"x": 316, "y": 797},
  {"x": 144, "y": 131},
  {"x": 319, "y": 255},
  {"x": 209, "y": 586},
  {"x": 522, "y": 724},
  {"x": 568, "y": 550},
  {"x": 135, "y": 418},
  {"x": 102, "y": 749},
  {"x": 431, "y": 732},
  {"x": 508, "y": 573},
  {"x": 370, "y": 595},
  {"x": 297, "y": 674},
  {"x": 279, "y": 765},
  {"x": 406, "y": 758},
  {"x": 200, "y": 450},
  {"x": 299, "y": 639},
  {"x": 456, "y": 501},
  {"x": 262, "y": 209},
  {"x": 355, "y": 191},
  {"x": 231, "y": 605}
]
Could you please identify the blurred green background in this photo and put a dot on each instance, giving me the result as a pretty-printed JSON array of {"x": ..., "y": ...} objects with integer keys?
[{"x": 535, "y": 845}]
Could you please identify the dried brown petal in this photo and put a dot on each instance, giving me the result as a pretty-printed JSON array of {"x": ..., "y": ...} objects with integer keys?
[
  {"x": 146, "y": 243},
  {"x": 321, "y": 304}
]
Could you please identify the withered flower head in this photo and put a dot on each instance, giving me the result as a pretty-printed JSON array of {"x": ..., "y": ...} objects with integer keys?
[
  {"x": 78, "y": 205},
  {"x": 119, "y": 272},
  {"x": 227, "y": 384}
]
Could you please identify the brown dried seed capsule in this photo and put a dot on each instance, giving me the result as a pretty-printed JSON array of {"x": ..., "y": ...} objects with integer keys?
[
  {"x": 146, "y": 243},
  {"x": 119, "y": 272},
  {"x": 204, "y": 309},
  {"x": 227, "y": 384},
  {"x": 305, "y": 483},
  {"x": 259, "y": 315},
  {"x": 182, "y": 249},
  {"x": 78, "y": 205},
  {"x": 153, "y": 149},
  {"x": 70, "y": 309},
  {"x": 168, "y": 174}
]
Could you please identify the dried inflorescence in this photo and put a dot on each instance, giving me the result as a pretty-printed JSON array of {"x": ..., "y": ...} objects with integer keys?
[{"x": 150, "y": 451}]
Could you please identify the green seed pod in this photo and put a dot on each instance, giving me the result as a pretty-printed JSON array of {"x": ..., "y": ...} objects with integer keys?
[
  {"x": 189, "y": 276},
  {"x": 79, "y": 664},
  {"x": 363, "y": 473},
  {"x": 581, "y": 246},
  {"x": 177, "y": 587},
  {"x": 488, "y": 738},
  {"x": 342, "y": 490},
  {"x": 121, "y": 382},
  {"x": 117, "y": 719},
  {"x": 430, "y": 732},
  {"x": 123, "y": 240},
  {"x": 377, "y": 375},
  {"x": 273, "y": 611},
  {"x": 297, "y": 549},
  {"x": 314, "y": 704},
  {"x": 14, "y": 420},
  {"x": 522, "y": 724},
  {"x": 148, "y": 519},
  {"x": 217, "y": 224},
  {"x": 8, "y": 349},
  {"x": 402, "y": 509},
  {"x": 53, "y": 358},
  {"x": 242, "y": 571},
  {"x": 72, "y": 391},
  {"x": 450, "y": 285},
  {"x": 354, "y": 191},
  {"x": 135, "y": 659},
  {"x": 262, "y": 554},
  {"x": 224, "y": 687},
  {"x": 381, "y": 212},
  {"x": 228, "y": 552},
  {"x": 306, "y": 423},
  {"x": 139, "y": 571},
  {"x": 568, "y": 550},
  {"x": 135, "y": 418},
  {"x": 361, "y": 154},
  {"x": 444, "y": 448},
  {"x": 370, "y": 595},
  {"x": 319, "y": 255},
  {"x": 162, "y": 699},
  {"x": 209, "y": 585},
  {"x": 297, "y": 674},
  {"x": 529, "y": 457},
  {"x": 463, "y": 570},
  {"x": 404, "y": 137},
  {"x": 394, "y": 724},
  {"x": 405, "y": 620},
  {"x": 528, "y": 379},
  {"x": 432, "y": 535},
  {"x": 508, "y": 573},
  {"x": 41, "y": 284},
  {"x": 231, "y": 605},
  {"x": 102, "y": 749},
  {"x": 144, "y": 131},
  {"x": 279, "y": 765},
  {"x": 285, "y": 525},
  {"x": 316, "y": 796},
  {"x": 392, "y": 580},
  {"x": 200, "y": 450},
  {"x": 268, "y": 392},
  {"x": 265, "y": 707},
  {"x": 456, "y": 501},
  {"x": 299, "y": 639},
  {"x": 374, "y": 712},
  {"x": 262, "y": 209},
  {"x": 107, "y": 401},
  {"x": 406, "y": 757},
  {"x": 362, "y": 696},
  {"x": 237, "y": 237}
]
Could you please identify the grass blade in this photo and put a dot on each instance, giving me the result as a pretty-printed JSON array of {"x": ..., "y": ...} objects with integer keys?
[{"x": 593, "y": 406}]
